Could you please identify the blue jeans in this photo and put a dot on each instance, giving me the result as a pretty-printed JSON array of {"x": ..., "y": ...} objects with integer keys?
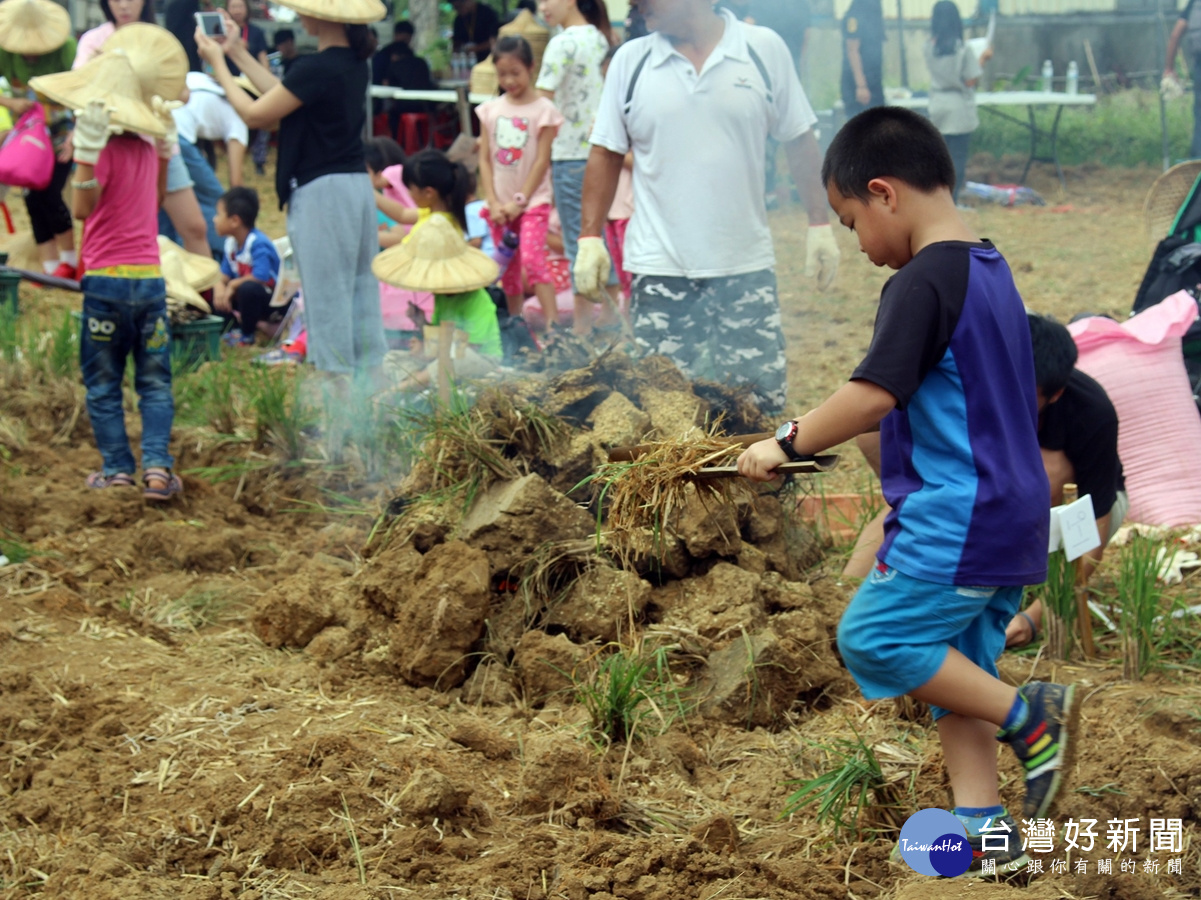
[
  {"x": 208, "y": 191},
  {"x": 123, "y": 316},
  {"x": 567, "y": 179}
]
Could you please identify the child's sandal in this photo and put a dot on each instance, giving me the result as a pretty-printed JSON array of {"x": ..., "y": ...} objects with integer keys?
[
  {"x": 160, "y": 485},
  {"x": 98, "y": 480}
]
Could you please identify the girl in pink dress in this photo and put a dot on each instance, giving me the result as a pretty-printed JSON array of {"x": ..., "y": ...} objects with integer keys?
[{"x": 517, "y": 131}]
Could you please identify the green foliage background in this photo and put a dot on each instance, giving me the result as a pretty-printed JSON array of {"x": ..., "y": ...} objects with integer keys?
[{"x": 1122, "y": 130}]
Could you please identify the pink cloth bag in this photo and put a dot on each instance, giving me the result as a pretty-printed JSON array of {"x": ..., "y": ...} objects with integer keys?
[
  {"x": 397, "y": 304},
  {"x": 1139, "y": 363},
  {"x": 27, "y": 154}
]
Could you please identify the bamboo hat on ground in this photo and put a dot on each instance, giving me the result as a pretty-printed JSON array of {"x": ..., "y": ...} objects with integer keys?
[
  {"x": 180, "y": 293},
  {"x": 33, "y": 27},
  {"x": 436, "y": 258},
  {"x": 110, "y": 78},
  {"x": 201, "y": 272},
  {"x": 351, "y": 12},
  {"x": 158, "y": 58}
]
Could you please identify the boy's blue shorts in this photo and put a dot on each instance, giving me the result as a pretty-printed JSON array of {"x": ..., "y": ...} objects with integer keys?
[{"x": 895, "y": 633}]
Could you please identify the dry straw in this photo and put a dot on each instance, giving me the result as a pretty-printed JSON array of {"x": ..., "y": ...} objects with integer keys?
[{"x": 643, "y": 498}]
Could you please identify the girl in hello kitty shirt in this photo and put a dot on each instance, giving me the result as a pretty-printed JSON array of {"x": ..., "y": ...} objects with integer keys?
[{"x": 517, "y": 131}]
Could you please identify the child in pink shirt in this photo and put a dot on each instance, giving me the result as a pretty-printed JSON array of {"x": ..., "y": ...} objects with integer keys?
[
  {"x": 120, "y": 181},
  {"x": 619, "y": 220},
  {"x": 404, "y": 311},
  {"x": 517, "y": 131}
]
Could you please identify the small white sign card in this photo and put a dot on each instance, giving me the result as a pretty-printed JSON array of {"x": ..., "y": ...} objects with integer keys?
[{"x": 1074, "y": 527}]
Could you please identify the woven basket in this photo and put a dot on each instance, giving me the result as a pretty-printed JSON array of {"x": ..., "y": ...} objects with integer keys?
[
  {"x": 1165, "y": 197},
  {"x": 483, "y": 78},
  {"x": 533, "y": 31}
]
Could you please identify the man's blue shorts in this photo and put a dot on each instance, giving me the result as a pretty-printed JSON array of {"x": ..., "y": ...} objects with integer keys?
[{"x": 895, "y": 633}]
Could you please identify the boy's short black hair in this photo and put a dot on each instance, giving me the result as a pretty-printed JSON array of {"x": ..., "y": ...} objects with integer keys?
[
  {"x": 1055, "y": 354},
  {"x": 887, "y": 142},
  {"x": 404, "y": 26},
  {"x": 242, "y": 202},
  {"x": 282, "y": 35}
]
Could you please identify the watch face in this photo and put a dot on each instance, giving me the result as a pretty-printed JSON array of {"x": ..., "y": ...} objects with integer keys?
[{"x": 785, "y": 431}]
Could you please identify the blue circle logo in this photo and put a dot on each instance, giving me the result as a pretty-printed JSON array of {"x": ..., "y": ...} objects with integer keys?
[{"x": 934, "y": 842}]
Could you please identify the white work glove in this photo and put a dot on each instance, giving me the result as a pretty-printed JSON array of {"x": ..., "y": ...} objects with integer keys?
[
  {"x": 1170, "y": 88},
  {"x": 821, "y": 255},
  {"x": 592, "y": 266},
  {"x": 162, "y": 111},
  {"x": 93, "y": 128}
]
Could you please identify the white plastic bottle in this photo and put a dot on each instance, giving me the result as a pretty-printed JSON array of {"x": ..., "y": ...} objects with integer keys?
[
  {"x": 1048, "y": 74},
  {"x": 1073, "y": 78}
]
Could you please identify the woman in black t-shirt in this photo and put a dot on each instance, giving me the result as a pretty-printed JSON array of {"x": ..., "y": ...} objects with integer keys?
[{"x": 322, "y": 176}]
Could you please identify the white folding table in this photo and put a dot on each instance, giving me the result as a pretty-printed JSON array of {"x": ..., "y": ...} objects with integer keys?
[
  {"x": 458, "y": 95},
  {"x": 995, "y": 102}
]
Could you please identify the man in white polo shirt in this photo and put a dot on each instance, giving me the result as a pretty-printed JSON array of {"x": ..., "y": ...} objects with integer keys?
[{"x": 695, "y": 102}]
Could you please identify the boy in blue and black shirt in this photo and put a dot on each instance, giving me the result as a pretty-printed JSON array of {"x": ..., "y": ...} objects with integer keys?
[
  {"x": 249, "y": 266},
  {"x": 949, "y": 380}
]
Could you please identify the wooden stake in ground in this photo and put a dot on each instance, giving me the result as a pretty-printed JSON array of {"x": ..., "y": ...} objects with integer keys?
[
  {"x": 1084, "y": 622},
  {"x": 1098, "y": 87},
  {"x": 446, "y": 336}
]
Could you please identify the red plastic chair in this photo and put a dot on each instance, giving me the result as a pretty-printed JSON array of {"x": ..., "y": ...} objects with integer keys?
[
  {"x": 414, "y": 131},
  {"x": 379, "y": 126}
]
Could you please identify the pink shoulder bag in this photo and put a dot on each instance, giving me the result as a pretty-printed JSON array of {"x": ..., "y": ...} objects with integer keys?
[{"x": 27, "y": 154}]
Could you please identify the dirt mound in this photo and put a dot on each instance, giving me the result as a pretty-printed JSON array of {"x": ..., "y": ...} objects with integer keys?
[{"x": 520, "y": 577}]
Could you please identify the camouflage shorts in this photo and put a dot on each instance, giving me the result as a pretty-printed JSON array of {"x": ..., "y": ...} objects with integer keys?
[{"x": 716, "y": 329}]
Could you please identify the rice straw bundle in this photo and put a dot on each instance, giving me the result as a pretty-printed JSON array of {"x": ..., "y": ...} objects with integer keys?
[{"x": 649, "y": 492}]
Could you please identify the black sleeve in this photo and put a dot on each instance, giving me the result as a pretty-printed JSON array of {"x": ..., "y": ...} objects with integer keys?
[
  {"x": 919, "y": 307},
  {"x": 1184, "y": 13},
  {"x": 460, "y": 36},
  {"x": 258, "y": 41},
  {"x": 1087, "y": 426},
  {"x": 307, "y": 79}
]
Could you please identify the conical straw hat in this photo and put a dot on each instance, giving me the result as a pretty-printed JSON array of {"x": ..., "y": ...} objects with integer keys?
[
  {"x": 436, "y": 258},
  {"x": 158, "y": 58},
  {"x": 108, "y": 77},
  {"x": 201, "y": 272},
  {"x": 33, "y": 27},
  {"x": 352, "y": 12},
  {"x": 178, "y": 288}
]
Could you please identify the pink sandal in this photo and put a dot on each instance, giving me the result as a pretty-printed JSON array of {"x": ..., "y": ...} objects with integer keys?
[
  {"x": 159, "y": 485},
  {"x": 100, "y": 481}
]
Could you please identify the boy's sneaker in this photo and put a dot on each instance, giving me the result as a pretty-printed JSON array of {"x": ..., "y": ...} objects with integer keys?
[
  {"x": 1002, "y": 844},
  {"x": 1045, "y": 743}
]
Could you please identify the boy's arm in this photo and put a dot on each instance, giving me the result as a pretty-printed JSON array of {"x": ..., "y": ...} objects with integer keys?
[{"x": 855, "y": 407}]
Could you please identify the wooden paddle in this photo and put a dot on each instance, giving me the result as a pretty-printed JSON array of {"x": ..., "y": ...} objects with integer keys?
[{"x": 811, "y": 466}]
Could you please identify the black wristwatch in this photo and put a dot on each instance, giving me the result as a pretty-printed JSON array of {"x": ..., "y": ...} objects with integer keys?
[{"x": 785, "y": 435}]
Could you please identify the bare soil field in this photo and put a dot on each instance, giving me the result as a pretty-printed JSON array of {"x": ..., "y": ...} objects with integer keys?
[{"x": 268, "y": 690}]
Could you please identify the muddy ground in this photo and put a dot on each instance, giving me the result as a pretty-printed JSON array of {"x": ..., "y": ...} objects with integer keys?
[{"x": 258, "y": 692}]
